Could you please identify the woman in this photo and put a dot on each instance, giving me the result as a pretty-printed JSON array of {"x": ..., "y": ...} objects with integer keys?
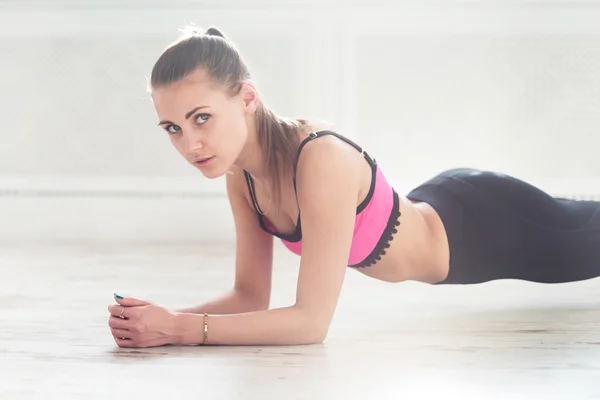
[{"x": 329, "y": 201}]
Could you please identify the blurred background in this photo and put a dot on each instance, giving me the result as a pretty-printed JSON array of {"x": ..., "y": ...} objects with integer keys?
[{"x": 510, "y": 86}]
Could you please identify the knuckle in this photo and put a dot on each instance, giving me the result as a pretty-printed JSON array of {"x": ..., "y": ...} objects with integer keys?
[{"x": 115, "y": 322}]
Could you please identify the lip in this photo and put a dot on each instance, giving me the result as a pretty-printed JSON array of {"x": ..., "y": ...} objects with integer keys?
[{"x": 204, "y": 162}]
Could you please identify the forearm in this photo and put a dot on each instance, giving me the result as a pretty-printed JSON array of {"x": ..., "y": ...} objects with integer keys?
[
  {"x": 281, "y": 326},
  {"x": 232, "y": 302}
]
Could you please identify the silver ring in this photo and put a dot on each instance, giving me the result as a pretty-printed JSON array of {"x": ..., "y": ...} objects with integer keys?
[{"x": 122, "y": 311}]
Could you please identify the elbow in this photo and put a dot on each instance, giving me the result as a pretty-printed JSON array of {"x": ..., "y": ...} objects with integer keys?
[
  {"x": 318, "y": 337},
  {"x": 312, "y": 329},
  {"x": 313, "y": 336}
]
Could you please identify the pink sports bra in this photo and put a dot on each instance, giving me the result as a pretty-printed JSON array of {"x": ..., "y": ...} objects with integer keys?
[{"x": 377, "y": 216}]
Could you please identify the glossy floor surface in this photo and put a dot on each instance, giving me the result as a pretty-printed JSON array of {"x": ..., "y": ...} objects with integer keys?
[{"x": 499, "y": 340}]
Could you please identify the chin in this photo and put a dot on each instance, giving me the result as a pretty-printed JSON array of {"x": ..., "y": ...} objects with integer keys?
[
  {"x": 214, "y": 172},
  {"x": 213, "y": 175}
]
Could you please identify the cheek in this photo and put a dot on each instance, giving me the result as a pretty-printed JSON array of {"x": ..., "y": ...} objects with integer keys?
[
  {"x": 239, "y": 137},
  {"x": 241, "y": 128},
  {"x": 232, "y": 134}
]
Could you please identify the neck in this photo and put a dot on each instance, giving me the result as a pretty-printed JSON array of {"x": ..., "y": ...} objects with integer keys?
[{"x": 251, "y": 158}]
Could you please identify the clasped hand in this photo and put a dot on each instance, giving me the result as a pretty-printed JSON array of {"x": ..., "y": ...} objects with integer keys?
[{"x": 139, "y": 323}]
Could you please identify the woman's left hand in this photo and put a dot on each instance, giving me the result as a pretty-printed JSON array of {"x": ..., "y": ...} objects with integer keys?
[{"x": 139, "y": 323}]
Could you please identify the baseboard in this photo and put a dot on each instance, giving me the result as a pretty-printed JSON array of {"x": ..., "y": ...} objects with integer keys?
[
  {"x": 145, "y": 211},
  {"x": 159, "y": 210},
  {"x": 128, "y": 219}
]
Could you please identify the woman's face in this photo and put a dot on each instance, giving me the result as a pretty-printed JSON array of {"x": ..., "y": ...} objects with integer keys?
[{"x": 207, "y": 126}]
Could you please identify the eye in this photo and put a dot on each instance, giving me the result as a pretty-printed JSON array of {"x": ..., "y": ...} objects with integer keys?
[
  {"x": 202, "y": 118},
  {"x": 172, "y": 128}
]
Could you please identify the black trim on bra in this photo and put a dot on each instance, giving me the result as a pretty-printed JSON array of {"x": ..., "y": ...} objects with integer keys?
[
  {"x": 372, "y": 162},
  {"x": 386, "y": 237},
  {"x": 296, "y": 235},
  {"x": 363, "y": 204}
]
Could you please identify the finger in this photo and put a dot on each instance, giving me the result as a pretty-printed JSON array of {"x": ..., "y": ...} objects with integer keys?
[
  {"x": 139, "y": 343},
  {"x": 120, "y": 311},
  {"x": 130, "y": 301},
  {"x": 124, "y": 342},
  {"x": 122, "y": 334},
  {"x": 119, "y": 323}
]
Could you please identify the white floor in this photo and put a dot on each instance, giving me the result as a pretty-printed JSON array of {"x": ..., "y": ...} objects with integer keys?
[{"x": 500, "y": 340}]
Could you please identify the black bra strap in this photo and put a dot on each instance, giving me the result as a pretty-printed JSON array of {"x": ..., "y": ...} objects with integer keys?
[
  {"x": 313, "y": 135},
  {"x": 251, "y": 189}
]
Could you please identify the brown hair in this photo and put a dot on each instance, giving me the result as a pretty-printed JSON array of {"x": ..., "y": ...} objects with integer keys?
[{"x": 218, "y": 57}]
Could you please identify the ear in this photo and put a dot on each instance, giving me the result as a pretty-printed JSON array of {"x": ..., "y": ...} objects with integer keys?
[{"x": 249, "y": 96}]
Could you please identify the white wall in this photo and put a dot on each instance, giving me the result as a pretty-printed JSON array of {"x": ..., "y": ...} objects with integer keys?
[{"x": 508, "y": 86}]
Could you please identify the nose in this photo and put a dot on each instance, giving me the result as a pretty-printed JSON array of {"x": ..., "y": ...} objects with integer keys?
[
  {"x": 195, "y": 153},
  {"x": 193, "y": 144}
]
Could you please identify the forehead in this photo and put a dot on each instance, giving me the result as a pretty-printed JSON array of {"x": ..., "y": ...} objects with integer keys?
[{"x": 174, "y": 100}]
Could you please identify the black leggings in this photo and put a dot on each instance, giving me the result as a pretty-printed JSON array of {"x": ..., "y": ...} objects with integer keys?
[{"x": 500, "y": 227}]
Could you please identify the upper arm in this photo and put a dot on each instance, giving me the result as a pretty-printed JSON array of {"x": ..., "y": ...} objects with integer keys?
[
  {"x": 254, "y": 247},
  {"x": 327, "y": 195}
]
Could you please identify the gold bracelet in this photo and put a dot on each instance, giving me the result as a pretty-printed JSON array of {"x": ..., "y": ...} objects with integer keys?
[{"x": 205, "y": 339}]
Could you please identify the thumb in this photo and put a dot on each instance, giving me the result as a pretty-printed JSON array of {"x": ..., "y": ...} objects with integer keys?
[{"x": 130, "y": 301}]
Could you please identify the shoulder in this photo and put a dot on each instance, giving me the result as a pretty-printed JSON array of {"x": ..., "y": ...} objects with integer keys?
[
  {"x": 331, "y": 152},
  {"x": 328, "y": 165}
]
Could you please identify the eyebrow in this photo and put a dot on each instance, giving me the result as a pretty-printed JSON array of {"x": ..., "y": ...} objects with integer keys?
[{"x": 187, "y": 116}]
